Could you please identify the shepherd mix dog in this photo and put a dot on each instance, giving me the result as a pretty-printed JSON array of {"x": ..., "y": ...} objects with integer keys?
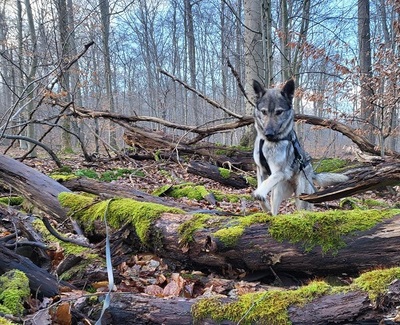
[{"x": 283, "y": 167}]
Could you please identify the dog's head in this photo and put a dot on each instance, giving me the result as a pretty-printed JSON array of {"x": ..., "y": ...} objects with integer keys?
[{"x": 273, "y": 115}]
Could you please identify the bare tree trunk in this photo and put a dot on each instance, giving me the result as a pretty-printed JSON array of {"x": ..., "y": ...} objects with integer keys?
[
  {"x": 190, "y": 45},
  {"x": 253, "y": 57},
  {"x": 105, "y": 19},
  {"x": 284, "y": 39},
  {"x": 31, "y": 133},
  {"x": 64, "y": 81},
  {"x": 364, "y": 42}
]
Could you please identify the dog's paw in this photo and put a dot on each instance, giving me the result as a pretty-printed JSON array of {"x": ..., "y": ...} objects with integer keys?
[{"x": 258, "y": 196}]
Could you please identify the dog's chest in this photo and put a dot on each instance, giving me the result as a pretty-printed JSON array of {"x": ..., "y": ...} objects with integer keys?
[{"x": 277, "y": 155}]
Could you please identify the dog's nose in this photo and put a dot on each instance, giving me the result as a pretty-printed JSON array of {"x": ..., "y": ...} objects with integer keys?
[{"x": 270, "y": 136}]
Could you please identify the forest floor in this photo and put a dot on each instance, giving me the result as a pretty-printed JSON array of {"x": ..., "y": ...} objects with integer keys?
[
  {"x": 154, "y": 174},
  {"x": 146, "y": 273}
]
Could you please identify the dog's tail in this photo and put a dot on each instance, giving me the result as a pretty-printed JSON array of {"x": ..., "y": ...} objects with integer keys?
[{"x": 327, "y": 179}]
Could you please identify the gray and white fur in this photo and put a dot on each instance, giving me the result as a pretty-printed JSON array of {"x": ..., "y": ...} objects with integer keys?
[{"x": 283, "y": 167}]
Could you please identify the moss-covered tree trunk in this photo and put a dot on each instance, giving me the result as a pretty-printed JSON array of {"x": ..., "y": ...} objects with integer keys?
[{"x": 316, "y": 304}]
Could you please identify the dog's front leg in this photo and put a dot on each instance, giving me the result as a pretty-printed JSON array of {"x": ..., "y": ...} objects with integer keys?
[
  {"x": 266, "y": 186},
  {"x": 261, "y": 175}
]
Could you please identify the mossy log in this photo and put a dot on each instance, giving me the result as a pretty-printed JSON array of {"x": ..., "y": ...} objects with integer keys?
[
  {"x": 352, "y": 307},
  {"x": 39, "y": 189},
  {"x": 220, "y": 244},
  {"x": 112, "y": 190},
  {"x": 41, "y": 282}
]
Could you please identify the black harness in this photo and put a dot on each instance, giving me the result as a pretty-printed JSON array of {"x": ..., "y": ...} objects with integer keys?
[{"x": 299, "y": 154}]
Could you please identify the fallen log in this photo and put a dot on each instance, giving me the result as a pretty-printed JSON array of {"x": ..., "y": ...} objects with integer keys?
[
  {"x": 248, "y": 243},
  {"x": 41, "y": 282},
  {"x": 149, "y": 140},
  {"x": 352, "y": 307},
  {"x": 39, "y": 189},
  {"x": 215, "y": 245},
  {"x": 207, "y": 170},
  {"x": 369, "y": 178}
]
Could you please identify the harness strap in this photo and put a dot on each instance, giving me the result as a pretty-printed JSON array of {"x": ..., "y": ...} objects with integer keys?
[
  {"x": 299, "y": 157},
  {"x": 299, "y": 154},
  {"x": 263, "y": 160}
]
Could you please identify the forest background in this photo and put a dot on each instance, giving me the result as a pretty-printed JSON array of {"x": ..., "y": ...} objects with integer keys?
[{"x": 106, "y": 56}]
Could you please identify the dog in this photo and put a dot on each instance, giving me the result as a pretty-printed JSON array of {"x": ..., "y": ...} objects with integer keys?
[{"x": 283, "y": 167}]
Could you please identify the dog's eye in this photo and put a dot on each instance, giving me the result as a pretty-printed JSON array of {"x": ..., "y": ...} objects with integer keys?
[
  {"x": 264, "y": 112},
  {"x": 278, "y": 112}
]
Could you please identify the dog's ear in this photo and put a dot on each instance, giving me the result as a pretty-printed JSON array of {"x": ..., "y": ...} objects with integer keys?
[
  {"x": 288, "y": 89},
  {"x": 258, "y": 89}
]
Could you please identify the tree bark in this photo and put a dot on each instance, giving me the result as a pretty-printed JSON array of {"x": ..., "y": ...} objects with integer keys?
[
  {"x": 255, "y": 250},
  {"x": 39, "y": 189},
  {"x": 384, "y": 174},
  {"x": 353, "y": 307},
  {"x": 211, "y": 171},
  {"x": 41, "y": 282}
]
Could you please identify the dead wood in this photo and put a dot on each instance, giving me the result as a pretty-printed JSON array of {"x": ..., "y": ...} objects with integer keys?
[
  {"x": 39, "y": 189},
  {"x": 206, "y": 131},
  {"x": 41, "y": 282},
  {"x": 352, "y": 307},
  {"x": 110, "y": 190},
  {"x": 207, "y": 170},
  {"x": 256, "y": 251},
  {"x": 220, "y": 155},
  {"x": 363, "y": 179}
]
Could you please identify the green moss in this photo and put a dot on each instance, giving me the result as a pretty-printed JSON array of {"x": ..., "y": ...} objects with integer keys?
[
  {"x": 233, "y": 198},
  {"x": 310, "y": 229},
  {"x": 4, "y": 321},
  {"x": 140, "y": 214},
  {"x": 229, "y": 236},
  {"x": 325, "y": 229},
  {"x": 225, "y": 173},
  {"x": 251, "y": 180},
  {"x": 188, "y": 228},
  {"x": 231, "y": 151},
  {"x": 162, "y": 191},
  {"x": 197, "y": 192},
  {"x": 89, "y": 173},
  {"x": 189, "y": 190},
  {"x": 14, "y": 290},
  {"x": 62, "y": 177},
  {"x": 269, "y": 307},
  {"x": 235, "y": 226},
  {"x": 355, "y": 203},
  {"x": 12, "y": 200},
  {"x": 69, "y": 248},
  {"x": 330, "y": 165},
  {"x": 109, "y": 175},
  {"x": 376, "y": 282},
  {"x": 115, "y": 174}
]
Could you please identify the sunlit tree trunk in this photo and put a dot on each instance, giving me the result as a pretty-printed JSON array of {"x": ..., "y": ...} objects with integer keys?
[{"x": 255, "y": 53}]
